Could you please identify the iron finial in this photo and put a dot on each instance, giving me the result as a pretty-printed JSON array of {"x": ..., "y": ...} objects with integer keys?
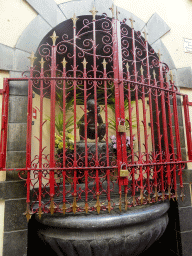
[
  {"x": 145, "y": 35},
  {"x": 117, "y": 14},
  {"x": 127, "y": 66},
  {"x": 154, "y": 74},
  {"x": 132, "y": 20},
  {"x": 52, "y": 207},
  {"x": 64, "y": 208},
  {"x": 98, "y": 205},
  {"x": 112, "y": 10},
  {"x": 159, "y": 55},
  {"x": 84, "y": 62},
  {"x": 141, "y": 69},
  {"x": 75, "y": 206},
  {"x": 54, "y": 37},
  {"x": 86, "y": 207},
  {"x": 74, "y": 19},
  {"x": 109, "y": 206},
  {"x": 40, "y": 212},
  {"x": 104, "y": 64},
  {"x": 42, "y": 62},
  {"x": 171, "y": 76},
  {"x": 64, "y": 62},
  {"x": 166, "y": 77},
  {"x": 94, "y": 12},
  {"x": 32, "y": 58},
  {"x": 28, "y": 213},
  {"x": 28, "y": 216}
]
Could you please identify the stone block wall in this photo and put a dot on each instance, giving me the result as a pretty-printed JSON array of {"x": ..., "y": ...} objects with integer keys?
[
  {"x": 13, "y": 190},
  {"x": 15, "y": 224},
  {"x": 185, "y": 213}
]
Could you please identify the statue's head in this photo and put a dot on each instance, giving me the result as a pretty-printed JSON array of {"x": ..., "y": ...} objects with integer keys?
[{"x": 91, "y": 106}]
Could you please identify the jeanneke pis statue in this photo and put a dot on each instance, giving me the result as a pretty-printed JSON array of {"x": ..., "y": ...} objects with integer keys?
[{"x": 101, "y": 128}]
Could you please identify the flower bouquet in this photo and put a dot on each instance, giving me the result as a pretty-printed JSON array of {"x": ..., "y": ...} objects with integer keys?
[
  {"x": 69, "y": 144},
  {"x": 114, "y": 142}
]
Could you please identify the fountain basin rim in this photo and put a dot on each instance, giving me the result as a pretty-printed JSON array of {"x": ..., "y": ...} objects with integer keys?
[{"x": 133, "y": 216}]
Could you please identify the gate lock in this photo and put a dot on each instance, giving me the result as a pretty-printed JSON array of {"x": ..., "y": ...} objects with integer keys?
[
  {"x": 121, "y": 128},
  {"x": 124, "y": 172}
]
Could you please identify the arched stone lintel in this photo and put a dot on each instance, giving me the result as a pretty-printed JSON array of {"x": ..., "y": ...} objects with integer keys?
[
  {"x": 7, "y": 56},
  {"x": 138, "y": 23},
  {"x": 84, "y": 7},
  {"x": 156, "y": 28},
  {"x": 165, "y": 56},
  {"x": 33, "y": 34},
  {"x": 49, "y": 11}
]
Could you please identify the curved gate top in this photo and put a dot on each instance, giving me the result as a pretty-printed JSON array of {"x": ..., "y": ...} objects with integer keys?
[{"x": 102, "y": 120}]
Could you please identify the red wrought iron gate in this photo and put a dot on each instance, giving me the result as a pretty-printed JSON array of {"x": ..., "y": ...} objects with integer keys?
[{"x": 103, "y": 128}]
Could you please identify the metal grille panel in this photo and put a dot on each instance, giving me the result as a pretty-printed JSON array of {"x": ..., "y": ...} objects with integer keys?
[{"x": 103, "y": 127}]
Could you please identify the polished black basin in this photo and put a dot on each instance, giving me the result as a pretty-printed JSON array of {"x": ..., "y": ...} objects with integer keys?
[{"x": 115, "y": 234}]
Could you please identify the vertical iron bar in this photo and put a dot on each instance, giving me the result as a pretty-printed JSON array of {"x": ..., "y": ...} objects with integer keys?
[
  {"x": 40, "y": 136},
  {"x": 4, "y": 123},
  {"x": 96, "y": 131},
  {"x": 122, "y": 107},
  {"x": 137, "y": 115},
  {"x": 117, "y": 103},
  {"x": 95, "y": 90},
  {"x": 178, "y": 145},
  {"x": 130, "y": 109},
  {"x": 64, "y": 136},
  {"x": 85, "y": 134},
  {"x": 153, "y": 143},
  {"x": 52, "y": 126},
  {"x": 187, "y": 125},
  {"x": 107, "y": 137},
  {"x": 146, "y": 138},
  {"x": 164, "y": 121},
  {"x": 2, "y": 152},
  {"x": 28, "y": 146},
  {"x": 75, "y": 120},
  {"x": 139, "y": 144},
  {"x": 171, "y": 141},
  {"x": 159, "y": 137},
  {"x": 151, "y": 117}
]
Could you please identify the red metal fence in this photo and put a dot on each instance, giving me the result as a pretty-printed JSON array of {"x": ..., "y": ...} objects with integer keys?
[{"x": 105, "y": 132}]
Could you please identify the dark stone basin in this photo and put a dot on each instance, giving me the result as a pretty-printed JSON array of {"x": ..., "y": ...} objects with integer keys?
[{"x": 115, "y": 234}]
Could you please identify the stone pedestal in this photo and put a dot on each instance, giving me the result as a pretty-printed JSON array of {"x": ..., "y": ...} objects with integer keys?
[{"x": 101, "y": 146}]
